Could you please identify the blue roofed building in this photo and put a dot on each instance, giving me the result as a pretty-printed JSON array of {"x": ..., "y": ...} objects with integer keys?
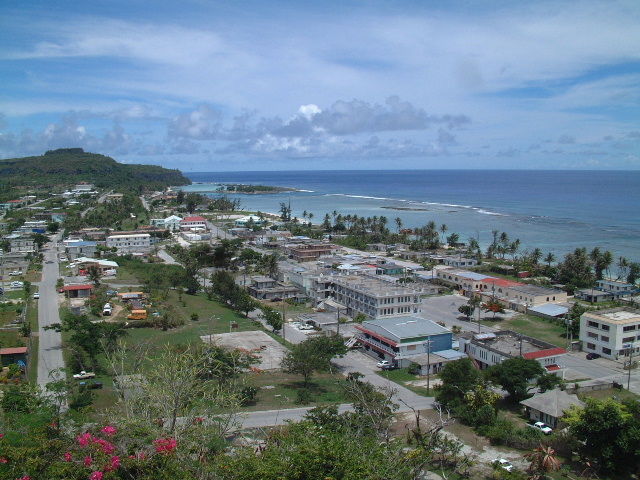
[{"x": 404, "y": 340}]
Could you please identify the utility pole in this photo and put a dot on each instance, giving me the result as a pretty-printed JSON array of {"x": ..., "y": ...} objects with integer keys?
[
  {"x": 630, "y": 348},
  {"x": 338, "y": 310},
  {"x": 284, "y": 321},
  {"x": 428, "y": 364}
]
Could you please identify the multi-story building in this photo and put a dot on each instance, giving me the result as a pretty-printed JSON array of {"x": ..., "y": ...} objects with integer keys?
[
  {"x": 132, "y": 243},
  {"x": 487, "y": 349},
  {"x": 308, "y": 252},
  {"x": 374, "y": 297},
  {"x": 617, "y": 289},
  {"x": 407, "y": 339},
  {"x": 612, "y": 332},
  {"x": 521, "y": 297},
  {"x": 79, "y": 248},
  {"x": 171, "y": 223},
  {"x": 194, "y": 222},
  {"x": 266, "y": 288},
  {"x": 21, "y": 243}
]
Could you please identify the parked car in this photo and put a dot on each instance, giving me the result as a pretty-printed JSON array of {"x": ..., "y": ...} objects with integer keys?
[
  {"x": 383, "y": 363},
  {"x": 504, "y": 464},
  {"x": 391, "y": 366},
  {"x": 15, "y": 273},
  {"x": 91, "y": 385},
  {"x": 592, "y": 356},
  {"x": 543, "y": 427},
  {"x": 17, "y": 284},
  {"x": 82, "y": 375},
  {"x": 36, "y": 296},
  {"x": 305, "y": 326}
]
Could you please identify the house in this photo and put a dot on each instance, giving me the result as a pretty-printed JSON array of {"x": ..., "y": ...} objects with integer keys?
[
  {"x": 171, "y": 223},
  {"x": 194, "y": 222},
  {"x": 105, "y": 267},
  {"x": 77, "y": 291},
  {"x": 79, "y": 248},
  {"x": 249, "y": 220},
  {"x": 488, "y": 349},
  {"x": 374, "y": 297},
  {"x": 130, "y": 243},
  {"x": 593, "y": 295},
  {"x": 33, "y": 226},
  {"x": 521, "y": 297},
  {"x": 459, "y": 262},
  {"x": 468, "y": 283},
  {"x": 21, "y": 243},
  {"x": 11, "y": 355},
  {"x": 266, "y": 288},
  {"x": 617, "y": 289},
  {"x": 389, "y": 269},
  {"x": 407, "y": 339},
  {"x": 550, "y": 406},
  {"x": 612, "y": 332},
  {"x": 83, "y": 187},
  {"x": 308, "y": 252}
]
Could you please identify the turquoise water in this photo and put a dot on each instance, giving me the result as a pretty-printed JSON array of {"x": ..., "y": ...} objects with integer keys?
[{"x": 553, "y": 210}]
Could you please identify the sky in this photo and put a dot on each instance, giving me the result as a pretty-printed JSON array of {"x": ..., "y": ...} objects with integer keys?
[{"x": 206, "y": 85}]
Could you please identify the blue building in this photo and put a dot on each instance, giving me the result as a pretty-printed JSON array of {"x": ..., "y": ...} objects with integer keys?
[{"x": 404, "y": 340}]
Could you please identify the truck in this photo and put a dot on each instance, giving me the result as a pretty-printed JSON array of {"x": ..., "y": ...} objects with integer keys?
[
  {"x": 543, "y": 427},
  {"x": 84, "y": 375},
  {"x": 106, "y": 310}
]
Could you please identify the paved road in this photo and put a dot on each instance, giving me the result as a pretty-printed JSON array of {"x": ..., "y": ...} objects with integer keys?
[
  {"x": 166, "y": 258},
  {"x": 144, "y": 203},
  {"x": 50, "y": 343}
]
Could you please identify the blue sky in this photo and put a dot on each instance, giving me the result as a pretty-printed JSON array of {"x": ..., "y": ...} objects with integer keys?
[{"x": 246, "y": 85}]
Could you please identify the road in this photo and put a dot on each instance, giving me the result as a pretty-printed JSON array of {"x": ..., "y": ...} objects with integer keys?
[
  {"x": 50, "y": 341},
  {"x": 144, "y": 203},
  {"x": 166, "y": 258}
]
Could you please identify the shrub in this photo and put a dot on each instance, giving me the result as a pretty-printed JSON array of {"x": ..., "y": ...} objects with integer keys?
[
  {"x": 304, "y": 397},
  {"x": 248, "y": 395}
]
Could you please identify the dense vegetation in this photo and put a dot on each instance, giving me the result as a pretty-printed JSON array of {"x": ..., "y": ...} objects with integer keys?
[{"x": 72, "y": 165}]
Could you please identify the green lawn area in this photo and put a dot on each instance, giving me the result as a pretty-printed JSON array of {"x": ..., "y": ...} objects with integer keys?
[
  {"x": 282, "y": 389},
  {"x": 401, "y": 376},
  {"x": 531, "y": 326},
  {"x": 125, "y": 276},
  {"x": 609, "y": 393}
]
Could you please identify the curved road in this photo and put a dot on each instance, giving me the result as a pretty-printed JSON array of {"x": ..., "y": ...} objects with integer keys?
[{"x": 50, "y": 343}]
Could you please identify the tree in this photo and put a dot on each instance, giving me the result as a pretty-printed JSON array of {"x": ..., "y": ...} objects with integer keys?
[
  {"x": 40, "y": 239},
  {"x": 609, "y": 434},
  {"x": 272, "y": 318},
  {"x": 313, "y": 355},
  {"x": 575, "y": 270},
  {"x": 492, "y": 305},
  {"x": 467, "y": 310},
  {"x": 542, "y": 460},
  {"x": 458, "y": 378},
  {"x": 453, "y": 239},
  {"x": 191, "y": 201},
  {"x": 514, "y": 375},
  {"x": 398, "y": 221},
  {"x": 53, "y": 227},
  {"x": 94, "y": 274},
  {"x": 549, "y": 259}
]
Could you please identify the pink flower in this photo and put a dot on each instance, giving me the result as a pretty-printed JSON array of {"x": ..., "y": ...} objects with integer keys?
[
  {"x": 107, "y": 447},
  {"x": 114, "y": 465},
  {"x": 3, "y": 460},
  {"x": 88, "y": 460},
  {"x": 84, "y": 439},
  {"x": 1, "y": 435},
  {"x": 165, "y": 445},
  {"x": 109, "y": 430},
  {"x": 198, "y": 420},
  {"x": 97, "y": 475},
  {"x": 68, "y": 457},
  {"x": 26, "y": 477}
]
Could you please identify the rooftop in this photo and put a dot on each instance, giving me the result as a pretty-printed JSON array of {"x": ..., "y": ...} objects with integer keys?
[
  {"x": 535, "y": 290},
  {"x": 13, "y": 350},
  {"x": 552, "y": 402},
  {"x": 467, "y": 274},
  {"x": 195, "y": 218},
  {"x": 514, "y": 345},
  {"x": 404, "y": 327},
  {"x": 373, "y": 285},
  {"x": 621, "y": 315}
]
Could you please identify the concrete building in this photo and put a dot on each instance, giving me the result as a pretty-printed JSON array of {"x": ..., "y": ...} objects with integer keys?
[
  {"x": 465, "y": 281},
  {"x": 407, "y": 339},
  {"x": 133, "y": 243},
  {"x": 611, "y": 333},
  {"x": 171, "y": 223},
  {"x": 83, "y": 187},
  {"x": 194, "y": 222},
  {"x": 521, "y": 297},
  {"x": 266, "y": 288},
  {"x": 79, "y": 248},
  {"x": 374, "y": 296},
  {"x": 106, "y": 267},
  {"x": 77, "y": 291},
  {"x": 21, "y": 243},
  {"x": 308, "y": 252},
  {"x": 617, "y": 289},
  {"x": 487, "y": 349}
]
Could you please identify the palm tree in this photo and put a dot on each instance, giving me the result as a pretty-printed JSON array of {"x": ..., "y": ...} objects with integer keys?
[
  {"x": 543, "y": 459},
  {"x": 536, "y": 255},
  {"x": 443, "y": 230},
  {"x": 623, "y": 268},
  {"x": 549, "y": 258},
  {"x": 398, "y": 221}
]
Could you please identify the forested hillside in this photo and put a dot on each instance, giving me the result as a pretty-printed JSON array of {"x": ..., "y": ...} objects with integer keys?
[{"x": 71, "y": 165}]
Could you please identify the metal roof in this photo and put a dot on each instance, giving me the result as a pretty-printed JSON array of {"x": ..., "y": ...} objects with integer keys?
[
  {"x": 405, "y": 327},
  {"x": 551, "y": 309}
]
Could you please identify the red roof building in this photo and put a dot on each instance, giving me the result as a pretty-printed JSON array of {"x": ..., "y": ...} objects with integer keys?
[
  {"x": 74, "y": 288},
  {"x": 195, "y": 218},
  {"x": 13, "y": 351},
  {"x": 550, "y": 352}
]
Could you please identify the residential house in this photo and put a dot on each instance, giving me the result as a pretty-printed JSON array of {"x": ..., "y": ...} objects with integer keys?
[
  {"x": 14, "y": 355},
  {"x": 171, "y": 223},
  {"x": 618, "y": 289},
  {"x": 407, "y": 339},
  {"x": 105, "y": 267},
  {"x": 77, "y": 291},
  {"x": 21, "y": 243},
  {"x": 79, "y": 248},
  {"x": 308, "y": 252},
  {"x": 194, "y": 222},
  {"x": 612, "y": 332},
  {"x": 549, "y": 407}
]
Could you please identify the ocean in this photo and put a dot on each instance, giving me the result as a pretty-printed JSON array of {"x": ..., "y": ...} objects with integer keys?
[{"x": 556, "y": 211}]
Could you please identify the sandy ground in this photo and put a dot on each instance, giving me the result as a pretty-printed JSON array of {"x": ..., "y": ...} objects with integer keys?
[{"x": 270, "y": 352}]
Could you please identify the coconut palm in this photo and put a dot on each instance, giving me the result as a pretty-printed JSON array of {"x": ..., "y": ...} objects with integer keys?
[
  {"x": 543, "y": 460},
  {"x": 398, "y": 221},
  {"x": 549, "y": 258},
  {"x": 443, "y": 231},
  {"x": 536, "y": 255}
]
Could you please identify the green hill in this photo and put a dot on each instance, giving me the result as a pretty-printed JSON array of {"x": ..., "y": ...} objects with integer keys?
[{"x": 72, "y": 165}]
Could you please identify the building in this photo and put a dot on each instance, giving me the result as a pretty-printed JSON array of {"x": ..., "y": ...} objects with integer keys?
[
  {"x": 21, "y": 244},
  {"x": 592, "y": 295},
  {"x": 14, "y": 355},
  {"x": 133, "y": 243},
  {"x": 33, "y": 226},
  {"x": 77, "y": 291},
  {"x": 79, "y": 248},
  {"x": 83, "y": 187},
  {"x": 549, "y": 407},
  {"x": 171, "y": 223},
  {"x": 610, "y": 333},
  {"x": 266, "y": 288},
  {"x": 405, "y": 340},
  {"x": 468, "y": 283},
  {"x": 521, "y": 297},
  {"x": 617, "y": 289},
  {"x": 106, "y": 267},
  {"x": 374, "y": 297},
  {"x": 249, "y": 220},
  {"x": 309, "y": 252},
  {"x": 488, "y": 349},
  {"x": 194, "y": 222},
  {"x": 389, "y": 269}
]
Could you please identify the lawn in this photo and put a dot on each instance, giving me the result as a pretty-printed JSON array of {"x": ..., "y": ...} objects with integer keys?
[
  {"x": 280, "y": 390},
  {"x": 401, "y": 376},
  {"x": 531, "y": 326},
  {"x": 609, "y": 393}
]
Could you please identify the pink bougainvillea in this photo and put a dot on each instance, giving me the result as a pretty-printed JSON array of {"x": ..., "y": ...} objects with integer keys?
[
  {"x": 109, "y": 430},
  {"x": 97, "y": 475},
  {"x": 84, "y": 439},
  {"x": 165, "y": 445},
  {"x": 114, "y": 464},
  {"x": 107, "y": 447},
  {"x": 26, "y": 477},
  {"x": 88, "y": 460},
  {"x": 3, "y": 460},
  {"x": 68, "y": 457}
]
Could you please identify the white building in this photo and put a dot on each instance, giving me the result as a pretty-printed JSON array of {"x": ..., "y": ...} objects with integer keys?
[
  {"x": 79, "y": 248},
  {"x": 194, "y": 222},
  {"x": 171, "y": 223},
  {"x": 131, "y": 243},
  {"x": 610, "y": 333}
]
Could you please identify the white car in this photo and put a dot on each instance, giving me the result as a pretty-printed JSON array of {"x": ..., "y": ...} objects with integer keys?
[
  {"x": 383, "y": 363},
  {"x": 504, "y": 464},
  {"x": 36, "y": 296},
  {"x": 82, "y": 375},
  {"x": 543, "y": 427},
  {"x": 305, "y": 327},
  {"x": 15, "y": 273},
  {"x": 17, "y": 284}
]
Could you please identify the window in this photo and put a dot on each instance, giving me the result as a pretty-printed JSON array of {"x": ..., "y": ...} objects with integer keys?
[
  {"x": 606, "y": 351},
  {"x": 628, "y": 328},
  {"x": 594, "y": 324},
  {"x": 411, "y": 347},
  {"x": 604, "y": 339},
  {"x": 592, "y": 335},
  {"x": 628, "y": 339},
  {"x": 591, "y": 346},
  {"x": 605, "y": 327}
]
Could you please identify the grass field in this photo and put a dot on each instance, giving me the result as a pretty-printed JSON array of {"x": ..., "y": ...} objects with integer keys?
[
  {"x": 401, "y": 376},
  {"x": 533, "y": 327}
]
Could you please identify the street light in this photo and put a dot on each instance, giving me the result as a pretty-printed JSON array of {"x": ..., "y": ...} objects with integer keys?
[
  {"x": 629, "y": 347},
  {"x": 428, "y": 345}
]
